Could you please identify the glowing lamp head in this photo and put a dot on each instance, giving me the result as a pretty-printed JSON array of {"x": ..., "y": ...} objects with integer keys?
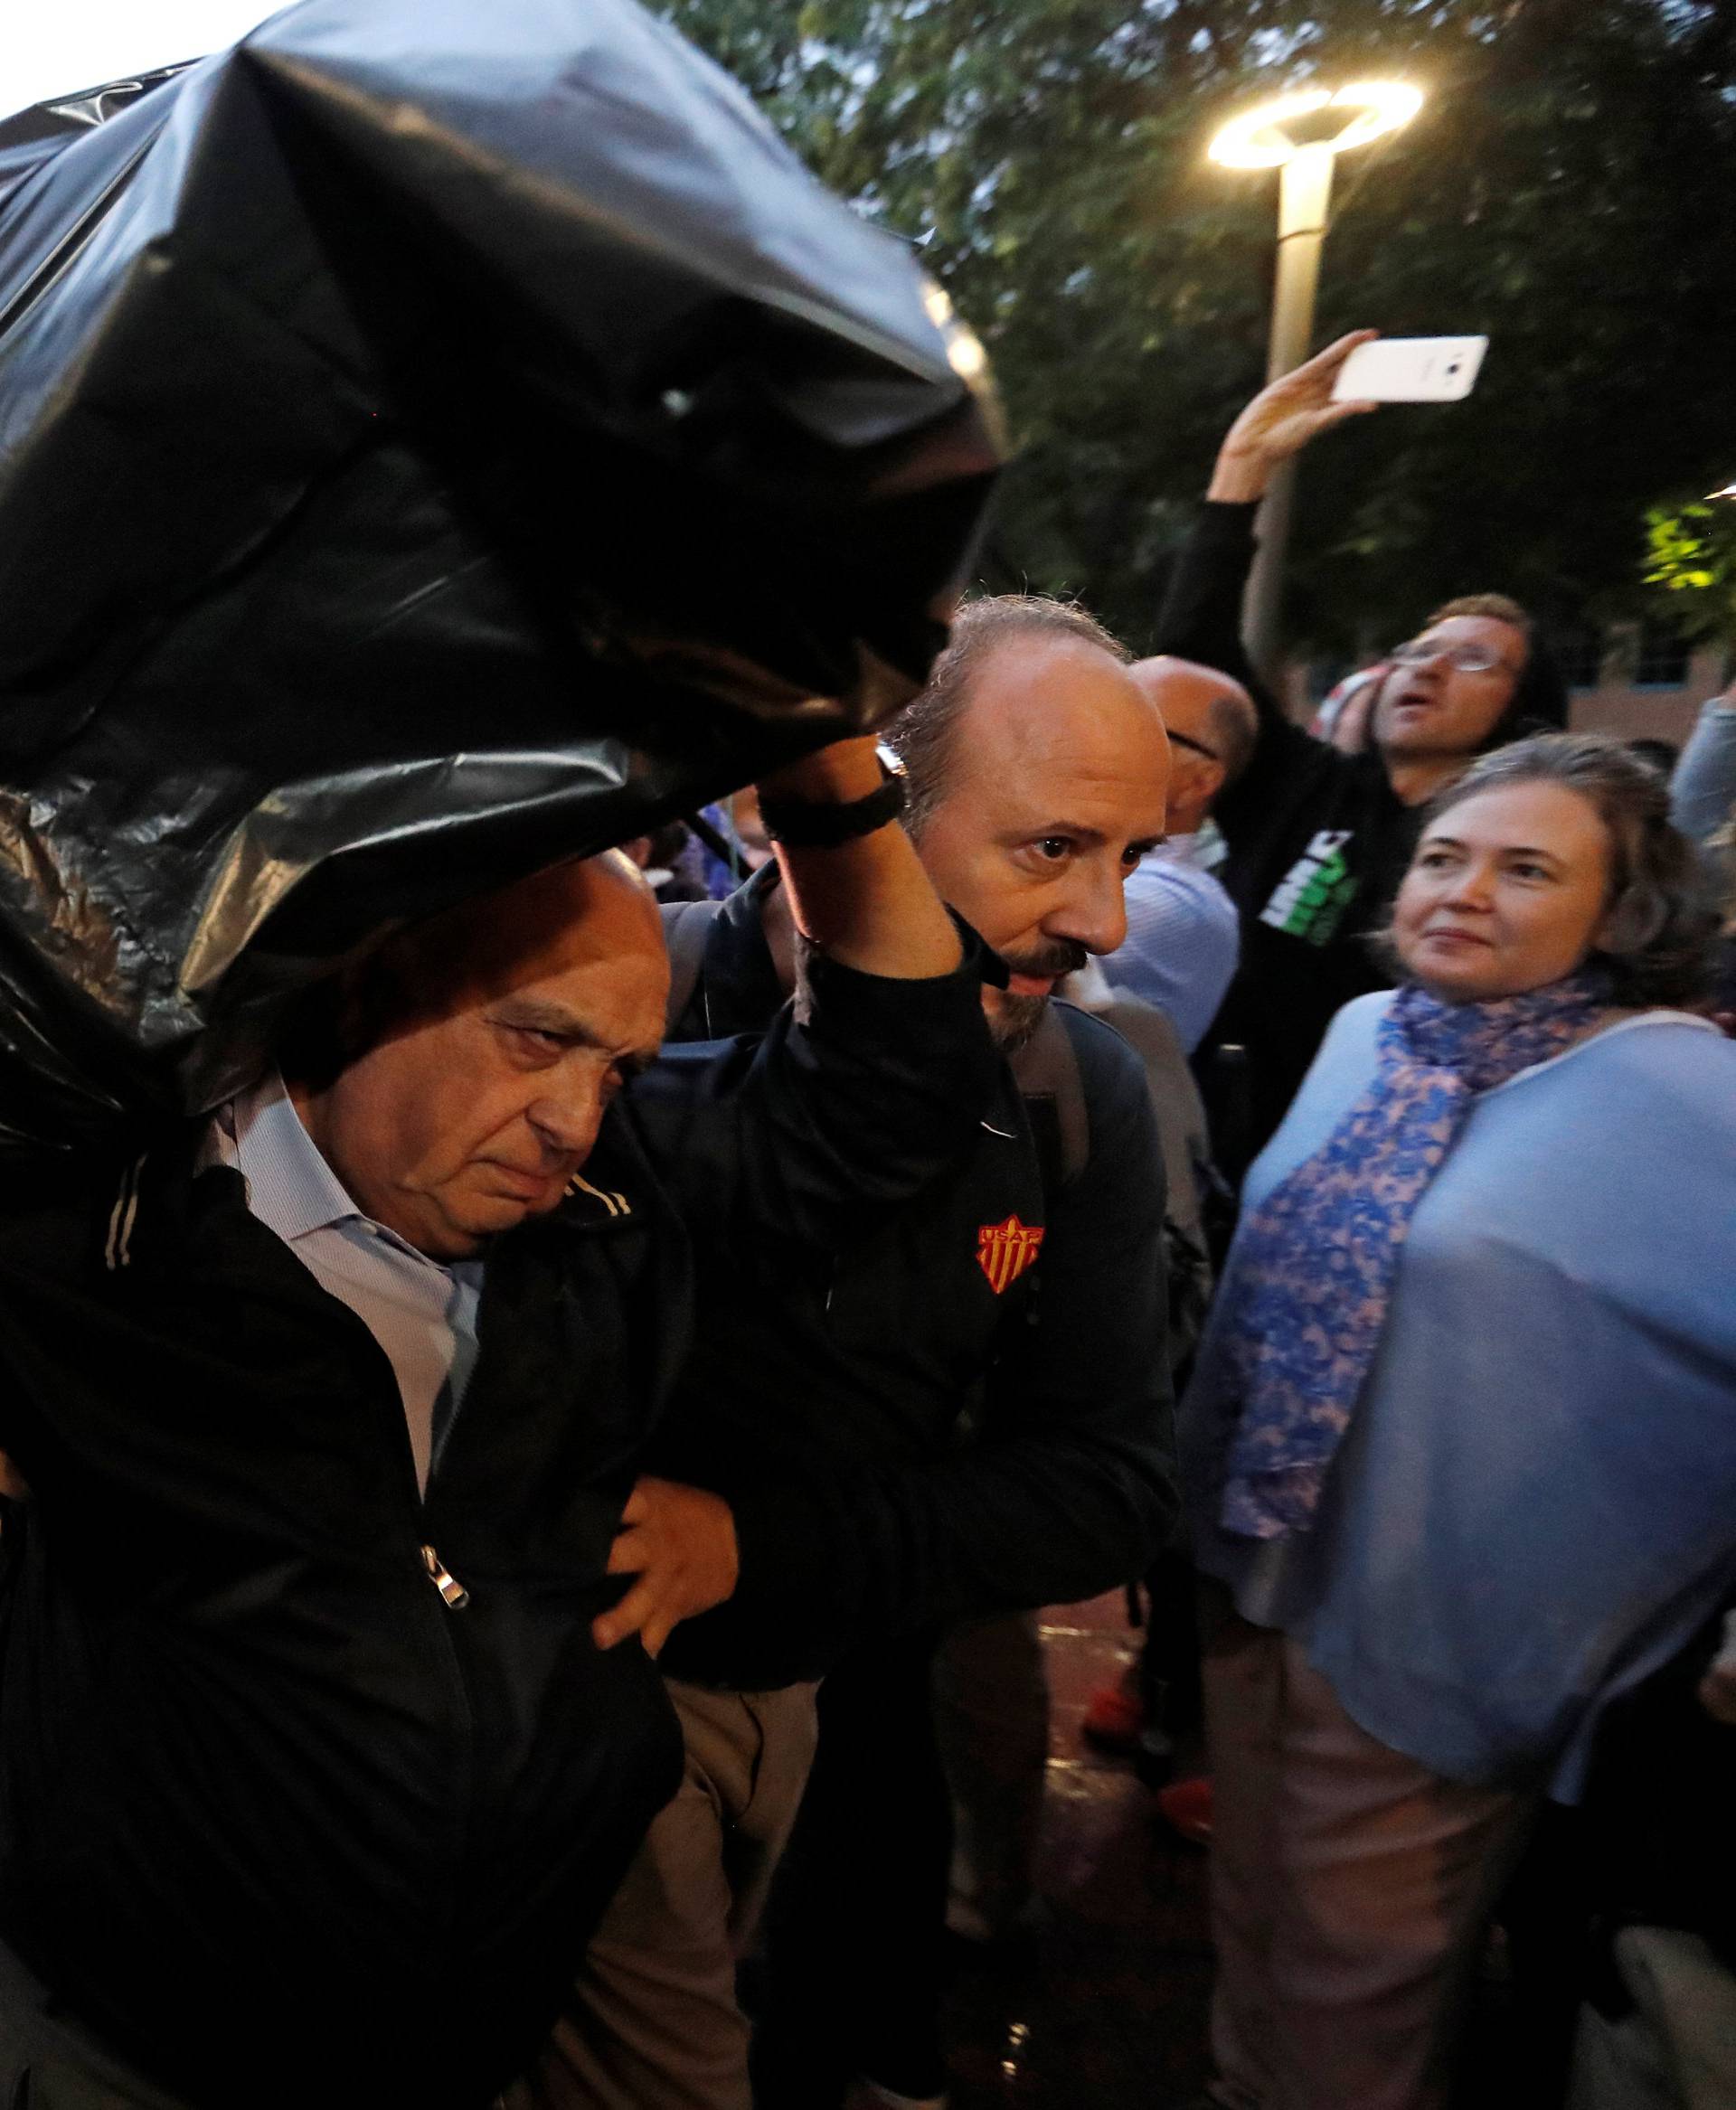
[
  {"x": 1258, "y": 138},
  {"x": 965, "y": 351}
]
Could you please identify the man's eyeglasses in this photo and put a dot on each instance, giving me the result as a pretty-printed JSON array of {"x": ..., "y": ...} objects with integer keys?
[
  {"x": 1187, "y": 740},
  {"x": 1466, "y": 659}
]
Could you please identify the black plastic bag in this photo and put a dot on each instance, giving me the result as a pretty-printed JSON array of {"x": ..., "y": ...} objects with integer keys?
[{"x": 435, "y": 438}]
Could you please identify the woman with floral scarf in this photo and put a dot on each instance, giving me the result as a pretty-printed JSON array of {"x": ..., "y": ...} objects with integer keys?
[{"x": 1460, "y": 1446}]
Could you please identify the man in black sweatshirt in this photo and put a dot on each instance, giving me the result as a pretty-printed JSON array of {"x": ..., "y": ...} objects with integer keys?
[
  {"x": 1318, "y": 841},
  {"x": 962, "y": 1412}
]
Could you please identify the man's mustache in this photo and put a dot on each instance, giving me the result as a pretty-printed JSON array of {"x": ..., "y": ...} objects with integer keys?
[{"x": 1066, "y": 956}]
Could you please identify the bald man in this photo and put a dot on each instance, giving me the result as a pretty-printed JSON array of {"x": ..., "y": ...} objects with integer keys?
[
  {"x": 962, "y": 1414},
  {"x": 328, "y": 1705},
  {"x": 1183, "y": 938}
]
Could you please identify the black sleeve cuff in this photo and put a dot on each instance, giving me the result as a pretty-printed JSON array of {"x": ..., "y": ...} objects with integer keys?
[
  {"x": 786, "y": 1618},
  {"x": 1227, "y": 523},
  {"x": 841, "y": 991}
]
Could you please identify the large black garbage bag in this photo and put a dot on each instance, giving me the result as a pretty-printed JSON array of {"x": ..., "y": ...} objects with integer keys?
[{"x": 435, "y": 436}]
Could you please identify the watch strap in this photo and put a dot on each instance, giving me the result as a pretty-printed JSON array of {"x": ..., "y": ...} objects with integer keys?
[{"x": 815, "y": 825}]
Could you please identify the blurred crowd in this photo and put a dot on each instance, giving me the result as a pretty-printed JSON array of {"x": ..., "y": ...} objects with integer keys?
[
  {"x": 1101, "y": 1133},
  {"x": 1430, "y": 999}
]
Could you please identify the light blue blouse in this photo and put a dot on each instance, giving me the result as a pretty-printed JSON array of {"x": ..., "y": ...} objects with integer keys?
[
  {"x": 1183, "y": 939},
  {"x": 1535, "y": 1504}
]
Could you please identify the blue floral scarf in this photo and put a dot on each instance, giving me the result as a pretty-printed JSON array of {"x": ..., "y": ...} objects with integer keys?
[{"x": 1315, "y": 1263}]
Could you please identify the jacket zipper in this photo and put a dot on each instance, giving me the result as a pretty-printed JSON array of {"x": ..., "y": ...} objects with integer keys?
[
  {"x": 450, "y": 1589},
  {"x": 454, "y": 1595}
]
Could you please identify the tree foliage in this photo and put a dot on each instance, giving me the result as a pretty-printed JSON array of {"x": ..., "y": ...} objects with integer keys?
[
  {"x": 1568, "y": 190},
  {"x": 1691, "y": 564}
]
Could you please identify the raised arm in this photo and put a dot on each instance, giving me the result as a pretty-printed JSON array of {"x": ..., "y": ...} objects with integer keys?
[
  {"x": 873, "y": 1083},
  {"x": 857, "y": 1096},
  {"x": 867, "y": 902},
  {"x": 1201, "y": 615},
  {"x": 1280, "y": 421}
]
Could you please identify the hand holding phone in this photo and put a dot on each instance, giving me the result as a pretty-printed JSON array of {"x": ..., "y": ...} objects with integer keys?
[{"x": 1410, "y": 370}]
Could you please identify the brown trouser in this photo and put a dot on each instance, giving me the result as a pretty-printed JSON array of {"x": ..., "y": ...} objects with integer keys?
[
  {"x": 653, "y": 2024},
  {"x": 1351, "y": 1889}
]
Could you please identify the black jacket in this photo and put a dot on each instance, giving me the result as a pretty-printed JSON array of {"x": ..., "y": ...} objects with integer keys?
[
  {"x": 1318, "y": 840},
  {"x": 279, "y": 1822},
  {"x": 832, "y": 1385}
]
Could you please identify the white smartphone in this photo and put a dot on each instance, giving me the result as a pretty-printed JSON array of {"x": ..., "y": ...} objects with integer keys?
[{"x": 1410, "y": 370}]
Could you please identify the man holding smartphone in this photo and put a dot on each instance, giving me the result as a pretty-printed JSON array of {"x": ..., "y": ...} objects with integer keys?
[{"x": 1319, "y": 840}]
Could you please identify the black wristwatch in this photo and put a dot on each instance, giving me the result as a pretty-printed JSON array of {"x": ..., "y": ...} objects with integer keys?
[{"x": 801, "y": 824}]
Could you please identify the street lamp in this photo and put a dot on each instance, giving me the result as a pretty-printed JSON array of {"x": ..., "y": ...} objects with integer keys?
[{"x": 1260, "y": 139}]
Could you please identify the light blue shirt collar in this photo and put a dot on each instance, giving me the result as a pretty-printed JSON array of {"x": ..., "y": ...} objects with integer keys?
[
  {"x": 423, "y": 1315},
  {"x": 291, "y": 1188}
]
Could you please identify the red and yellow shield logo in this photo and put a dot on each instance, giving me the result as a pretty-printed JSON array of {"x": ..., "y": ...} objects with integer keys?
[{"x": 1004, "y": 1250}]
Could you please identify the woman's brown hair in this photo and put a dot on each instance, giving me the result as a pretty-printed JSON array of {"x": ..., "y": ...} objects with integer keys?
[{"x": 1658, "y": 947}]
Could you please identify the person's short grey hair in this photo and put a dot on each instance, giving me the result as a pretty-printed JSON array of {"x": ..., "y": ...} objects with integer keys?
[
  {"x": 1658, "y": 943},
  {"x": 922, "y": 735}
]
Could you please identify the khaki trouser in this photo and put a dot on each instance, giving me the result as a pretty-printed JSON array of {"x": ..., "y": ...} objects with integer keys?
[
  {"x": 653, "y": 2023},
  {"x": 1351, "y": 1890}
]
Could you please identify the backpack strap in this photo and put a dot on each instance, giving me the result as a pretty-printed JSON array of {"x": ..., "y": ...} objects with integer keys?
[
  {"x": 686, "y": 932},
  {"x": 1047, "y": 1073}
]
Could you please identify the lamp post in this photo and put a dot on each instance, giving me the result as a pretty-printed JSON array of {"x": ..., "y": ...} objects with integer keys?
[{"x": 1258, "y": 139}]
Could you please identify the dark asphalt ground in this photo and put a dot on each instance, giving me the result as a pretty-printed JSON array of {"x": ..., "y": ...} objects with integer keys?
[{"x": 1108, "y": 2008}]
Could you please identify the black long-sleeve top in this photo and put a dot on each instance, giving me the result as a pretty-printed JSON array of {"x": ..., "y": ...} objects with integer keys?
[
  {"x": 1318, "y": 840},
  {"x": 904, "y": 1436}
]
